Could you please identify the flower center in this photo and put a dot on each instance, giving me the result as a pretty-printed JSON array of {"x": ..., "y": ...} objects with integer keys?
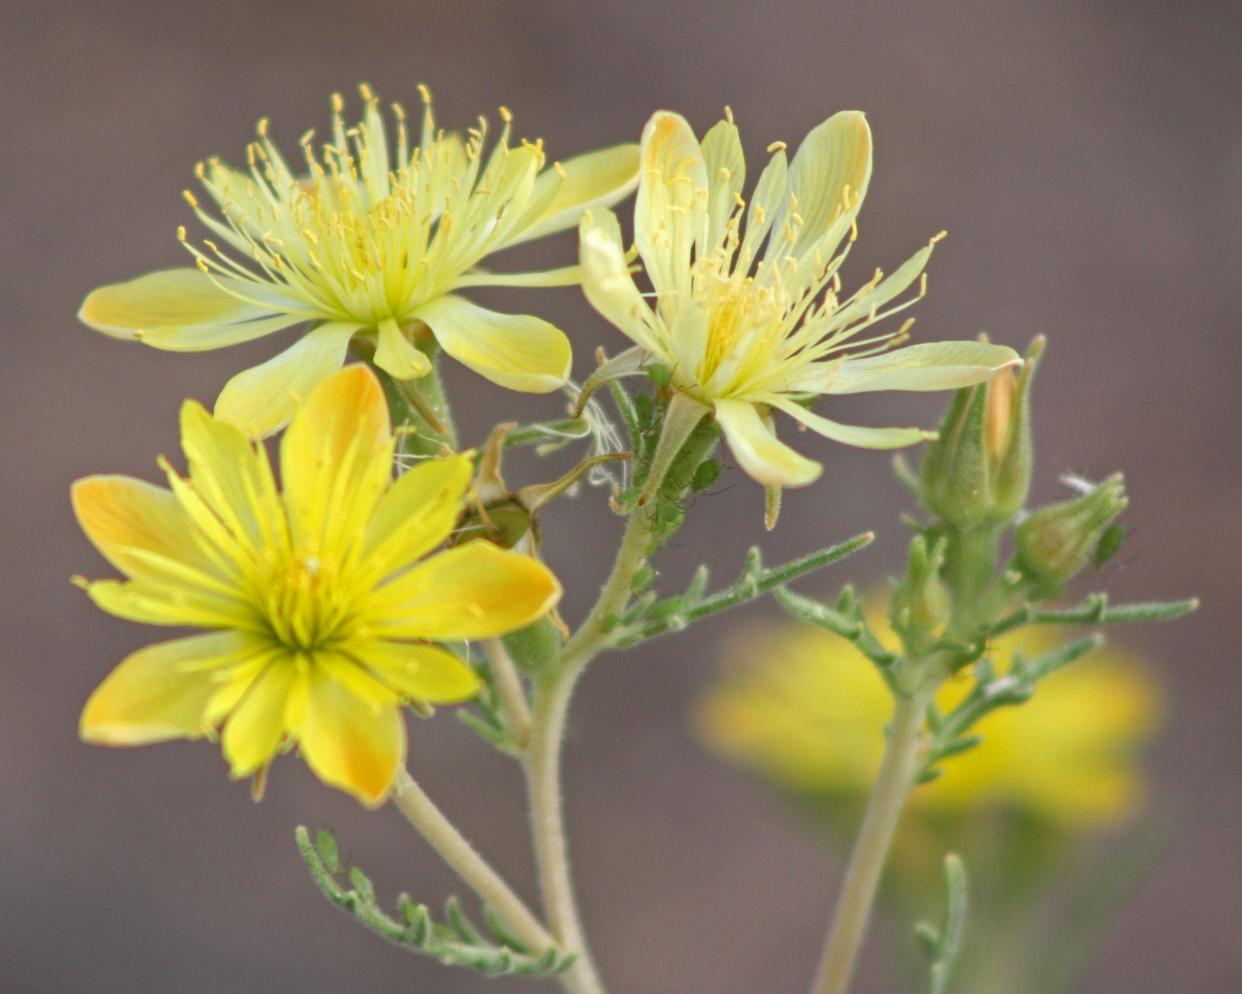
[{"x": 304, "y": 604}]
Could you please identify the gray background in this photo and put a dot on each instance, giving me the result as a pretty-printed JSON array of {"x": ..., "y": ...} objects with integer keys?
[{"x": 1085, "y": 157}]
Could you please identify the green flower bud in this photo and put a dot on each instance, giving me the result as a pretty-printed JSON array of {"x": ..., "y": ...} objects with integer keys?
[
  {"x": 920, "y": 605},
  {"x": 979, "y": 469},
  {"x": 1056, "y": 542}
]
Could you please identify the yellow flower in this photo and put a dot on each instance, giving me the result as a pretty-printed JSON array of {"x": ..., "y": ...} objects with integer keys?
[
  {"x": 320, "y": 617},
  {"x": 374, "y": 240},
  {"x": 745, "y": 329},
  {"x": 811, "y": 715}
]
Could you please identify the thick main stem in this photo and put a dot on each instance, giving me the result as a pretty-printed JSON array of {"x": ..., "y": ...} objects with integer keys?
[
  {"x": 862, "y": 876},
  {"x": 543, "y": 755},
  {"x": 457, "y": 852}
]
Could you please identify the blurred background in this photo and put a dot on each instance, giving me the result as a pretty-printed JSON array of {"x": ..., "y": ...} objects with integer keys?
[{"x": 1086, "y": 158}]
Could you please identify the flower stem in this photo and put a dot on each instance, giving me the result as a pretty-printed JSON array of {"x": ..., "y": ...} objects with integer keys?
[
  {"x": 509, "y": 689},
  {"x": 900, "y": 765},
  {"x": 458, "y": 853},
  {"x": 543, "y": 753}
]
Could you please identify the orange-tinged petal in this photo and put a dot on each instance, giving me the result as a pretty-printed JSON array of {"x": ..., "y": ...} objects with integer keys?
[
  {"x": 348, "y": 743},
  {"x": 123, "y": 516},
  {"x": 335, "y": 459},
  {"x": 419, "y": 672},
  {"x": 162, "y": 691},
  {"x": 476, "y": 590},
  {"x": 417, "y": 512}
]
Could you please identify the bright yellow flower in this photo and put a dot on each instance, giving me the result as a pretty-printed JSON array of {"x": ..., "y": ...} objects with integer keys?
[
  {"x": 745, "y": 329},
  {"x": 810, "y": 715},
  {"x": 374, "y": 240},
  {"x": 321, "y": 619}
]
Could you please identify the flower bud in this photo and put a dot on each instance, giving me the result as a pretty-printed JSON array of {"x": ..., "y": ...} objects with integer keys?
[
  {"x": 920, "y": 605},
  {"x": 979, "y": 470},
  {"x": 1055, "y": 542}
]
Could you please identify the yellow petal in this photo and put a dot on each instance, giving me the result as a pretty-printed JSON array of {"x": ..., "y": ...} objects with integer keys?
[
  {"x": 417, "y": 512},
  {"x": 336, "y": 459},
  {"x": 607, "y": 282},
  {"x": 864, "y": 438},
  {"x": 348, "y": 743},
  {"x": 419, "y": 672},
  {"x": 123, "y": 516},
  {"x": 233, "y": 477},
  {"x": 182, "y": 601},
  {"x": 256, "y": 727},
  {"x": 179, "y": 310},
  {"x": 476, "y": 590},
  {"x": 596, "y": 179},
  {"x": 162, "y": 691},
  {"x": 397, "y": 356},
  {"x": 670, "y": 212},
  {"x": 726, "y": 175},
  {"x": 828, "y": 178},
  {"x": 517, "y": 351},
  {"x": 759, "y": 452},
  {"x": 262, "y": 399},
  {"x": 928, "y": 366}
]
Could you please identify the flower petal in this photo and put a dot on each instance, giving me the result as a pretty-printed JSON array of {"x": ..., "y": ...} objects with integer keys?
[
  {"x": 475, "y": 590},
  {"x": 181, "y": 310},
  {"x": 517, "y": 351},
  {"x": 257, "y": 725},
  {"x": 123, "y": 516},
  {"x": 418, "y": 672},
  {"x": 760, "y": 453},
  {"x": 336, "y": 460},
  {"x": 396, "y": 356},
  {"x": 607, "y": 282},
  {"x": 726, "y": 175},
  {"x": 347, "y": 742},
  {"x": 417, "y": 512},
  {"x": 596, "y": 179},
  {"x": 670, "y": 212},
  {"x": 161, "y": 692},
  {"x": 262, "y": 399},
  {"x": 828, "y": 178},
  {"x": 864, "y": 438},
  {"x": 928, "y": 366},
  {"x": 233, "y": 477}
]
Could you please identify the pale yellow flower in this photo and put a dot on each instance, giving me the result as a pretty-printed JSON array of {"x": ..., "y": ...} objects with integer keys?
[
  {"x": 376, "y": 239},
  {"x": 749, "y": 316},
  {"x": 805, "y": 709},
  {"x": 320, "y": 617}
]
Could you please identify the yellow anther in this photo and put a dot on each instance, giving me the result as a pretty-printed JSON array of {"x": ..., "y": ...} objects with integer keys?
[
  {"x": 424, "y": 93},
  {"x": 505, "y": 114},
  {"x": 728, "y": 112},
  {"x": 939, "y": 237},
  {"x": 190, "y": 199},
  {"x": 338, "y": 103},
  {"x": 181, "y": 232},
  {"x": 398, "y": 111},
  {"x": 776, "y": 147},
  {"x": 307, "y": 136},
  {"x": 262, "y": 127},
  {"x": 365, "y": 91},
  {"x": 560, "y": 170}
]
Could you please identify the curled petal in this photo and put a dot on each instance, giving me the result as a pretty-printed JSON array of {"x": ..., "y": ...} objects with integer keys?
[
  {"x": 759, "y": 452},
  {"x": 864, "y": 438}
]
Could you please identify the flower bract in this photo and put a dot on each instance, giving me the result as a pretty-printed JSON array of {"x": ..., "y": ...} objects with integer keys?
[
  {"x": 748, "y": 313},
  {"x": 371, "y": 242},
  {"x": 320, "y": 607}
]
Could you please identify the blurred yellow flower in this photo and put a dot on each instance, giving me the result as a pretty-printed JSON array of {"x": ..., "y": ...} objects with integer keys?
[
  {"x": 806, "y": 710},
  {"x": 374, "y": 240},
  {"x": 746, "y": 330},
  {"x": 321, "y": 619}
]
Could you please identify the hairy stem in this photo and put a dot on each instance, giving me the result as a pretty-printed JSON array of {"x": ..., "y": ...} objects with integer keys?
[
  {"x": 509, "y": 689},
  {"x": 543, "y": 754},
  {"x": 458, "y": 853},
  {"x": 902, "y": 757}
]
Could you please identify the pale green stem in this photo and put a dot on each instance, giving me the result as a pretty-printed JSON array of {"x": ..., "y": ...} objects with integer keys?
[
  {"x": 509, "y": 689},
  {"x": 902, "y": 759},
  {"x": 543, "y": 753},
  {"x": 412, "y": 801}
]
